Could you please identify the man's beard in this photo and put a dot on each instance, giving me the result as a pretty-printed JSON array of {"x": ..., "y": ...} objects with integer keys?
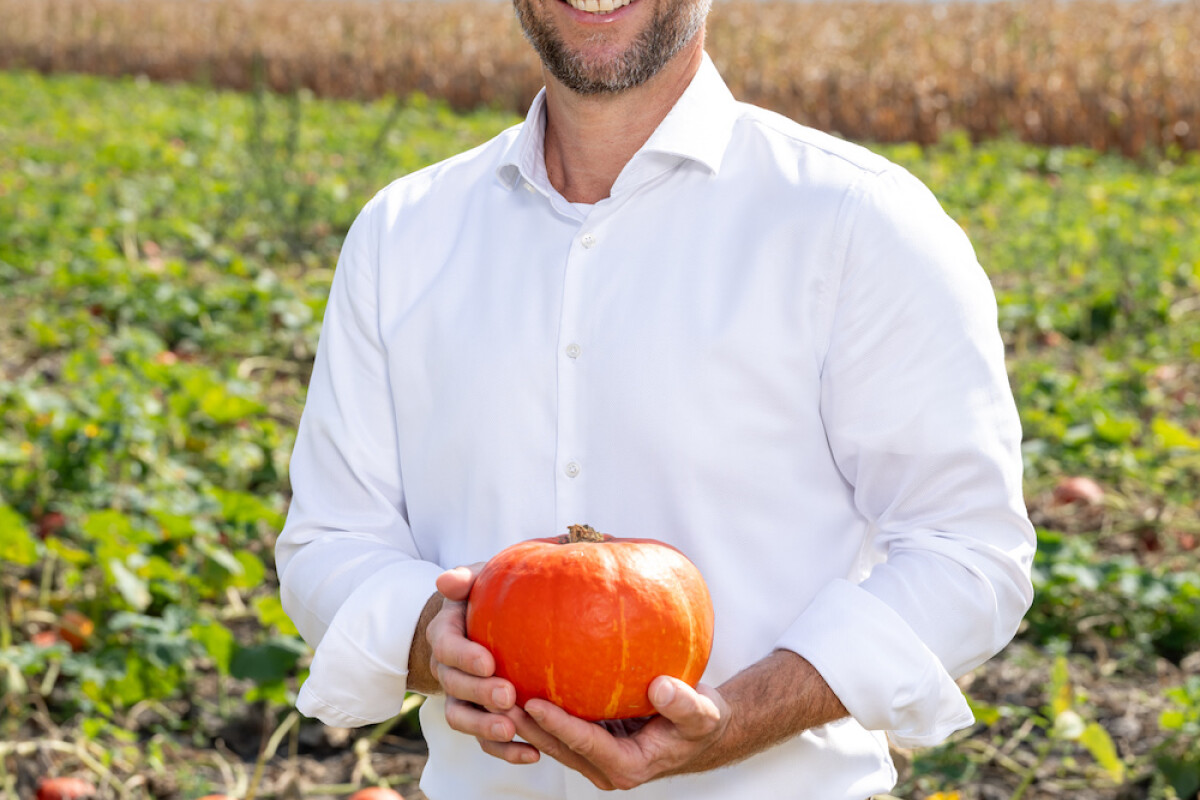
[{"x": 666, "y": 35}]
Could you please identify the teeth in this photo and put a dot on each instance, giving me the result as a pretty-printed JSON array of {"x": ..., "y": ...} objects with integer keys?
[{"x": 598, "y": 6}]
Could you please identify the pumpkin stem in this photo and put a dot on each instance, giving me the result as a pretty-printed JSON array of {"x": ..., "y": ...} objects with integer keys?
[{"x": 583, "y": 533}]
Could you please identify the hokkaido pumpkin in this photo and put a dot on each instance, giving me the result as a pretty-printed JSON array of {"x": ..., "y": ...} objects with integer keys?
[
  {"x": 376, "y": 793},
  {"x": 64, "y": 789},
  {"x": 588, "y": 620}
]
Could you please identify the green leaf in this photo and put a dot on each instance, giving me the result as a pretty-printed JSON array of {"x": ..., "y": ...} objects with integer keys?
[
  {"x": 268, "y": 662},
  {"x": 1183, "y": 775},
  {"x": 1100, "y": 745},
  {"x": 106, "y": 526},
  {"x": 17, "y": 545},
  {"x": 223, "y": 558},
  {"x": 412, "y": 702},
  {"x": 271, "y": 615},
  {"x": 1171, "y": 720},
  {"x": 222, "y": 406},
  {"x": 1170, "y": 436},
  {"x": 1060, "y": 688},
  {"x": 131, "y": 587},
  {"x": 72, "y": 555},
  {"x": 1114, "y": 430},
  {"x": 114, "y": 529},
  {"x": 984, "y": 713},
  {"x": 217, "y": 641},
  {"x": 175, "y": 526},
  {"x": 243, "y": 508},
  {"x": 271, "y": 692},
  {"x": 251, "y": 572}
]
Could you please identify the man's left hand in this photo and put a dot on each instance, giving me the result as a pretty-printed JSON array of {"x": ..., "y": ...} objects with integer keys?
[{"x": 613, "y": 756}]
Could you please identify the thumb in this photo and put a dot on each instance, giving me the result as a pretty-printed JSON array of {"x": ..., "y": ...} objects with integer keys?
[
  {"x": 455, "y": 584},
  {"x": 695, "y": 712}
]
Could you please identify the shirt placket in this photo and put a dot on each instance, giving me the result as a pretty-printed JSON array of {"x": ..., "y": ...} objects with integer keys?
[{"x": 571, "y": 356}]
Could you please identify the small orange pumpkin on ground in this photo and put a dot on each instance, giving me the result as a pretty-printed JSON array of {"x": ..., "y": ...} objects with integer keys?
[
  {"x": 1078, "y": 489},
  {"x": 588, "y": 620},
  {"x": 45, "y": 638},
  {"x": 64, "y": 789},
  {"x": 76, "y": 629},
  {"x": 376, "y": 793}
]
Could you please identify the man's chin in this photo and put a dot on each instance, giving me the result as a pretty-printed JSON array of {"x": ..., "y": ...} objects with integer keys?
[{"x": 605, "y": 66}]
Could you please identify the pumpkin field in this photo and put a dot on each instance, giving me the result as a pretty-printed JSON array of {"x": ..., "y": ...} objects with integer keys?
[{"x": 166, "y": 247}]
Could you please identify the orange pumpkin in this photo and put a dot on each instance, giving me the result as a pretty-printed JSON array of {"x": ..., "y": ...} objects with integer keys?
[
  {"x": 76, "y": 629},
  {"x": 588, "y": 620},
  {"x": 64, "y": 789},
  {"x": 376, "y": 793}
]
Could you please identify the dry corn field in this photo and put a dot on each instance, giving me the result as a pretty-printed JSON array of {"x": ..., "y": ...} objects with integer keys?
[{"x": 1112, "y": 75}]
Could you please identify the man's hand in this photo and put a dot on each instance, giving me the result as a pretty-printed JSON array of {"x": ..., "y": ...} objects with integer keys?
[
  {"x": 622, "y": 756},
  {"x": 695, "y": 730},
  {"x": 476, "y": 700}
]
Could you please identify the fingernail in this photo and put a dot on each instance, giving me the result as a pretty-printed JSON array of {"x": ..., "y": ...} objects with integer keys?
[
  {"x": 664, "y": 694},
  {"x": 501, "y": 698},
  {"x": 498, "y": 731},
  {"x": 535, "y": 712}
]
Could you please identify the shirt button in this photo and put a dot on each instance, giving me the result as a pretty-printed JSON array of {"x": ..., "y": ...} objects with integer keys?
[
  {"x": 573, "y": 351},
  {"x": 572, "y": 469},
  {"x": 588, "y": 240}
]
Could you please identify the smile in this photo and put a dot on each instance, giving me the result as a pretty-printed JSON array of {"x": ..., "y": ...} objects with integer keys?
[{"x": 597, "y": 6}]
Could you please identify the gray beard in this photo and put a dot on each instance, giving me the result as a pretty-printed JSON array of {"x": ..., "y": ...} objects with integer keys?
[{"x": 666, "y": 35}]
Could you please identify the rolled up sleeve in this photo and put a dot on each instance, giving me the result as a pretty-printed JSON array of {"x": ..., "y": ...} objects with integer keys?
[
  {"x": 922, "y": 424},
  {"x": 350, "y": 574}
]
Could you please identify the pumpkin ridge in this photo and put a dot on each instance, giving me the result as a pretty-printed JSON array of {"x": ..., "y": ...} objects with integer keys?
[
  {"x": 614, "y": 702},
  {"x": 693, "y": 637},
  {"x": 551, "y": 689}
]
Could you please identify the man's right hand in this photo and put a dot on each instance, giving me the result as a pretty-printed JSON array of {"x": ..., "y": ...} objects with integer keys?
[{"x": 477, "y": 702}]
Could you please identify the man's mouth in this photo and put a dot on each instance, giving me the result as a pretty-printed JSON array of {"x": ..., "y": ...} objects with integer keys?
[{"x": 597, "y": 6}]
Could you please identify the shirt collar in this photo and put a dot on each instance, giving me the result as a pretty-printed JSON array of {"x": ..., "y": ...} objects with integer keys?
[
  {"x": 697, "y": 128},
  {"x": 525, "y": 156}
]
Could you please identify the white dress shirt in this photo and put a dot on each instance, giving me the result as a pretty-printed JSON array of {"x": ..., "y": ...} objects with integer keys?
[{"x": 768, "y": 347}]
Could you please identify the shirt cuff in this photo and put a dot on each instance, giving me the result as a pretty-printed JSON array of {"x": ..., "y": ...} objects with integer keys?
[
  {"x": 885, "y": 676},
  {"x": 359, "y": 671}
]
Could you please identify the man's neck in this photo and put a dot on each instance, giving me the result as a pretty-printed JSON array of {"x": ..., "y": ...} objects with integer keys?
[{"x": 590, "y": 138}]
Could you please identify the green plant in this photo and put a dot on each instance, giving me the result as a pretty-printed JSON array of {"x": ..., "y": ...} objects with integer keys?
[
  {"x": 1177, "y": 759},
  {"x": 1082, "y": 596}
]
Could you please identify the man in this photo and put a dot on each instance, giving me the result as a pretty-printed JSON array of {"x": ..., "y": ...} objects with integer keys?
[{"x": 663, "y": 313}]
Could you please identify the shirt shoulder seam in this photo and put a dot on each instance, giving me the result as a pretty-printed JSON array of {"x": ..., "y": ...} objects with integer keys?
[
  {"x": 847, "y": 219},
  {"x": 849, "y": 153}
]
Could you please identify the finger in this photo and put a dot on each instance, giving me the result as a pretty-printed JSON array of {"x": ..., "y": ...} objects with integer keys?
[
  {"x": 512, "y": 752},
  {"x": 449, "y": 644},
  {"x": 696, "y": 713},
  {"x": 455, "y": 584},
  {"x": 473, "y": 721},
  {"x": 494, "y": 694},
  {"x": 531, "y": 731},
  {"x": 588, "y": 740}
]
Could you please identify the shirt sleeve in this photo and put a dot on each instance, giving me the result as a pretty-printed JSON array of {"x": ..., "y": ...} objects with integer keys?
[
  {"x": 921, "y": 421},
  {"x": 350, "y": 575}
]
